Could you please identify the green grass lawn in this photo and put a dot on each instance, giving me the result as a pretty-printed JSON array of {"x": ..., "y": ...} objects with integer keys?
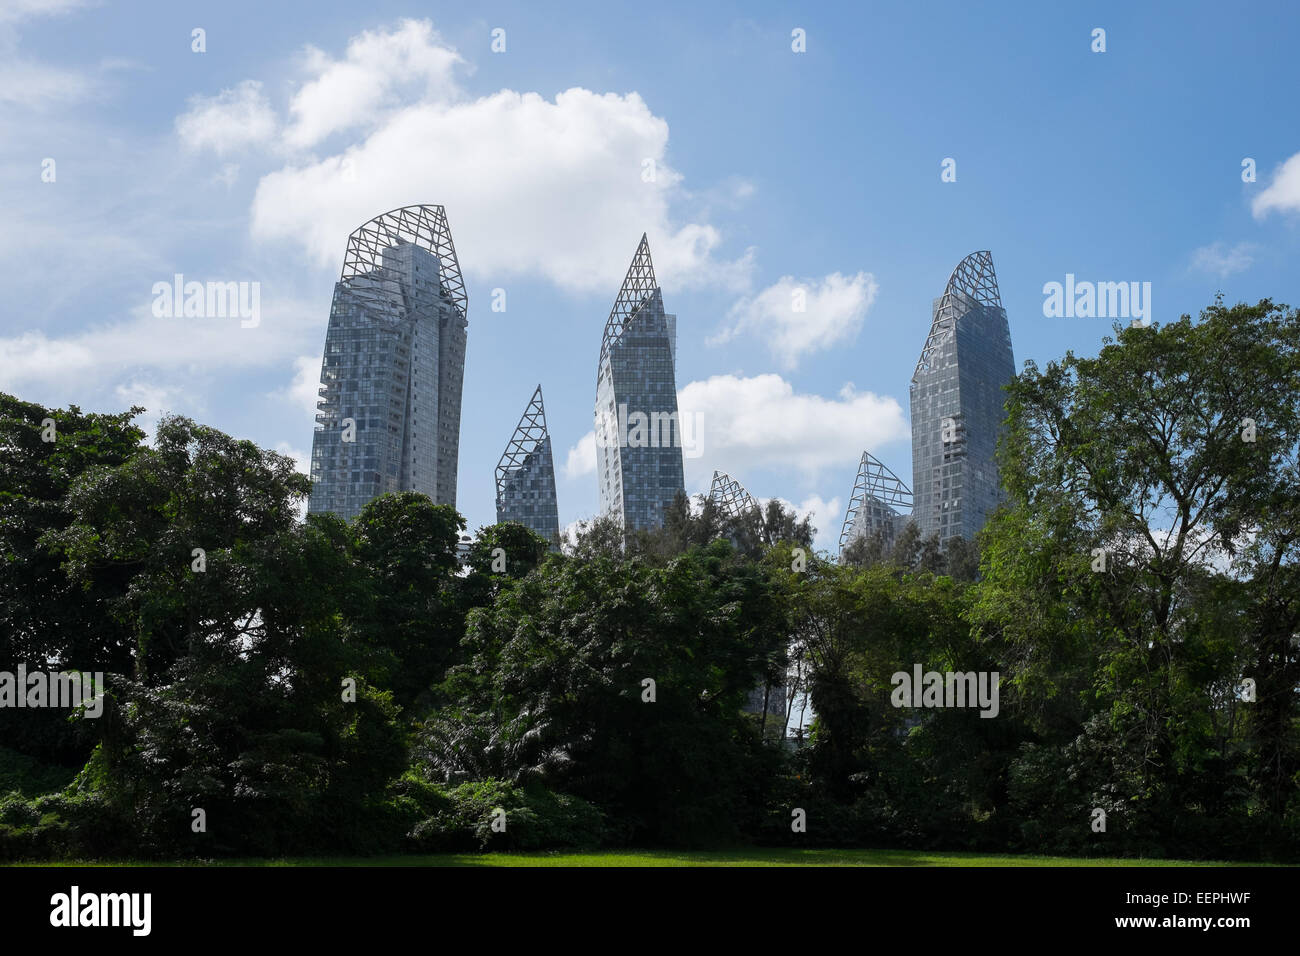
[{"x": 752, "y": 856}]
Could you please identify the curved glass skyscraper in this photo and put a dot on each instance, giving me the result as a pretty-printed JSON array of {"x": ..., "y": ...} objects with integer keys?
[
  {"x": 388, "y": 418},
  {"x": 957, "y": 398},
  {"x": 638, "y": 434}
]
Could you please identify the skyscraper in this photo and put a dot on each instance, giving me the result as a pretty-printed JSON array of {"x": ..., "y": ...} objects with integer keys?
[
  {"x": 388, "y": 418},
  {"x": 874, "y": 507},
  {"x": 957, "y": 398},
  {"x": 526, "y": 475},
  {"x": 638, "y": 433}
]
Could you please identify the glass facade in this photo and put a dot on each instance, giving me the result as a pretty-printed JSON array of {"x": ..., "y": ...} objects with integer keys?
[
  {"x": 957, "y": 403},
  {"x": 526, "y": 476},
  {"x": 638, "y": 433},
  {"x": 388, "y": 417}
]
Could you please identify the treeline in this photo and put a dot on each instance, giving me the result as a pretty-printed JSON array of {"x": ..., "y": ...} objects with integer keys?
[{"x": 276, "y": 685}]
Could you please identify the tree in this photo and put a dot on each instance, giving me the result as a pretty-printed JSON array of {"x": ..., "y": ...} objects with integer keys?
[
  {"x": 1138, "y": 574},
  {"x": 410, "y": 607},
  {"x": 43, "y": 615},
  {"x": 47, "y": 620},
  {"x": 554, "y": 689},
  {"x": 238, "y": 699},
  {"x": 958, "y": 557},
  {"x": 164, "y": 521},
  {"x": 686, "y": 526}
]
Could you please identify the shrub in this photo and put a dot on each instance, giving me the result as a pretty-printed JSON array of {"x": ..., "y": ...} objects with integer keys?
[{"x": 535, "y": 819}]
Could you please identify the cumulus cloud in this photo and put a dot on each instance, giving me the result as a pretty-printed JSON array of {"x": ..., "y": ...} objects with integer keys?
[
  {"x": 532, "y": 187},
  {"x": 376, "y": 67},
  {"x": 797, "y": 317},
  {"x": 178, "y": 347},
  {"x": 156, "y": 401},
  {"x": 761, "y": 422},
  {"x": 550, "y": 188},
  {"x": 304, "y": 391},
  {"x": 1283, "y": 193},
  {"x": 227, "y": 176},
  {"x": 232, "y": 120},
  {"x": 582, "y": 457},
  {"x": 301, "y": 460},
  {"x": 558, "y": 188},
  {"x": 1220, "y": 259}
]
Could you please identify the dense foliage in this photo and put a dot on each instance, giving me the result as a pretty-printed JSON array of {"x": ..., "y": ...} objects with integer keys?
[{"x": 279, "y": 685}]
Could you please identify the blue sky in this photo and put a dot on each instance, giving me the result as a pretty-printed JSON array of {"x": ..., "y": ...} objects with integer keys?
[{"x": 774, "y": 171}]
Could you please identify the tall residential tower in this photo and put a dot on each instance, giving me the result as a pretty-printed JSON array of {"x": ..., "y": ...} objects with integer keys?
[
  {"x": 957, "y": 400},
  {"x": 388, "y": 418},
  {"x": 638, "y": 433},
  {"x": 526, "y": 476}
]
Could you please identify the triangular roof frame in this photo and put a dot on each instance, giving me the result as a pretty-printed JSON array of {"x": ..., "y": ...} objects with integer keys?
[
  {"x": 874, "y": 480},
  {"x": 425, "y": 226},
  {"x": 731, "y": 497},
  {"x": 972, "y": 281},
  {"x": 639, "y": 287},
  {"x": 529, "y": 435}
]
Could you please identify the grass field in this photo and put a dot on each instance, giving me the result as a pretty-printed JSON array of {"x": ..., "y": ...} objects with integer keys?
[{"x": 752, "y": 856}]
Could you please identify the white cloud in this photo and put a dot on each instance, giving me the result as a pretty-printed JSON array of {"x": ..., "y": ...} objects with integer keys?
[
  {"x": 182, "y": 348},
  {"x": 28, "y": 83},
  {"x": 352, "y": 91},
  {"x": 304, "y": 391},
  {"x": 582, "y": 457},
  {"x": 761, "y": 422},
  {"x": 301, "y": 460},
  {"x": 232, "y": 120},
  {"x": 156, "y": 401},
  {"x": 569, "y": 533},
  {"x": 797, "y": 317},
  {"x": 1283, "y": 193},
  {"x": 1221, "y": 260},
  {"x": 153, "y": 398},
  {"x": 32, "y": 356},
  {"x": 532, "y": 187},
  {"x": 537, "y": 187},
  {"x": 747, "y": 424},
  {"x": 14, "y": 10},
  {"x": 302, "y": 463},
  {"x": 228, "y": 175},
  {"x": 553, "y": 188}
]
